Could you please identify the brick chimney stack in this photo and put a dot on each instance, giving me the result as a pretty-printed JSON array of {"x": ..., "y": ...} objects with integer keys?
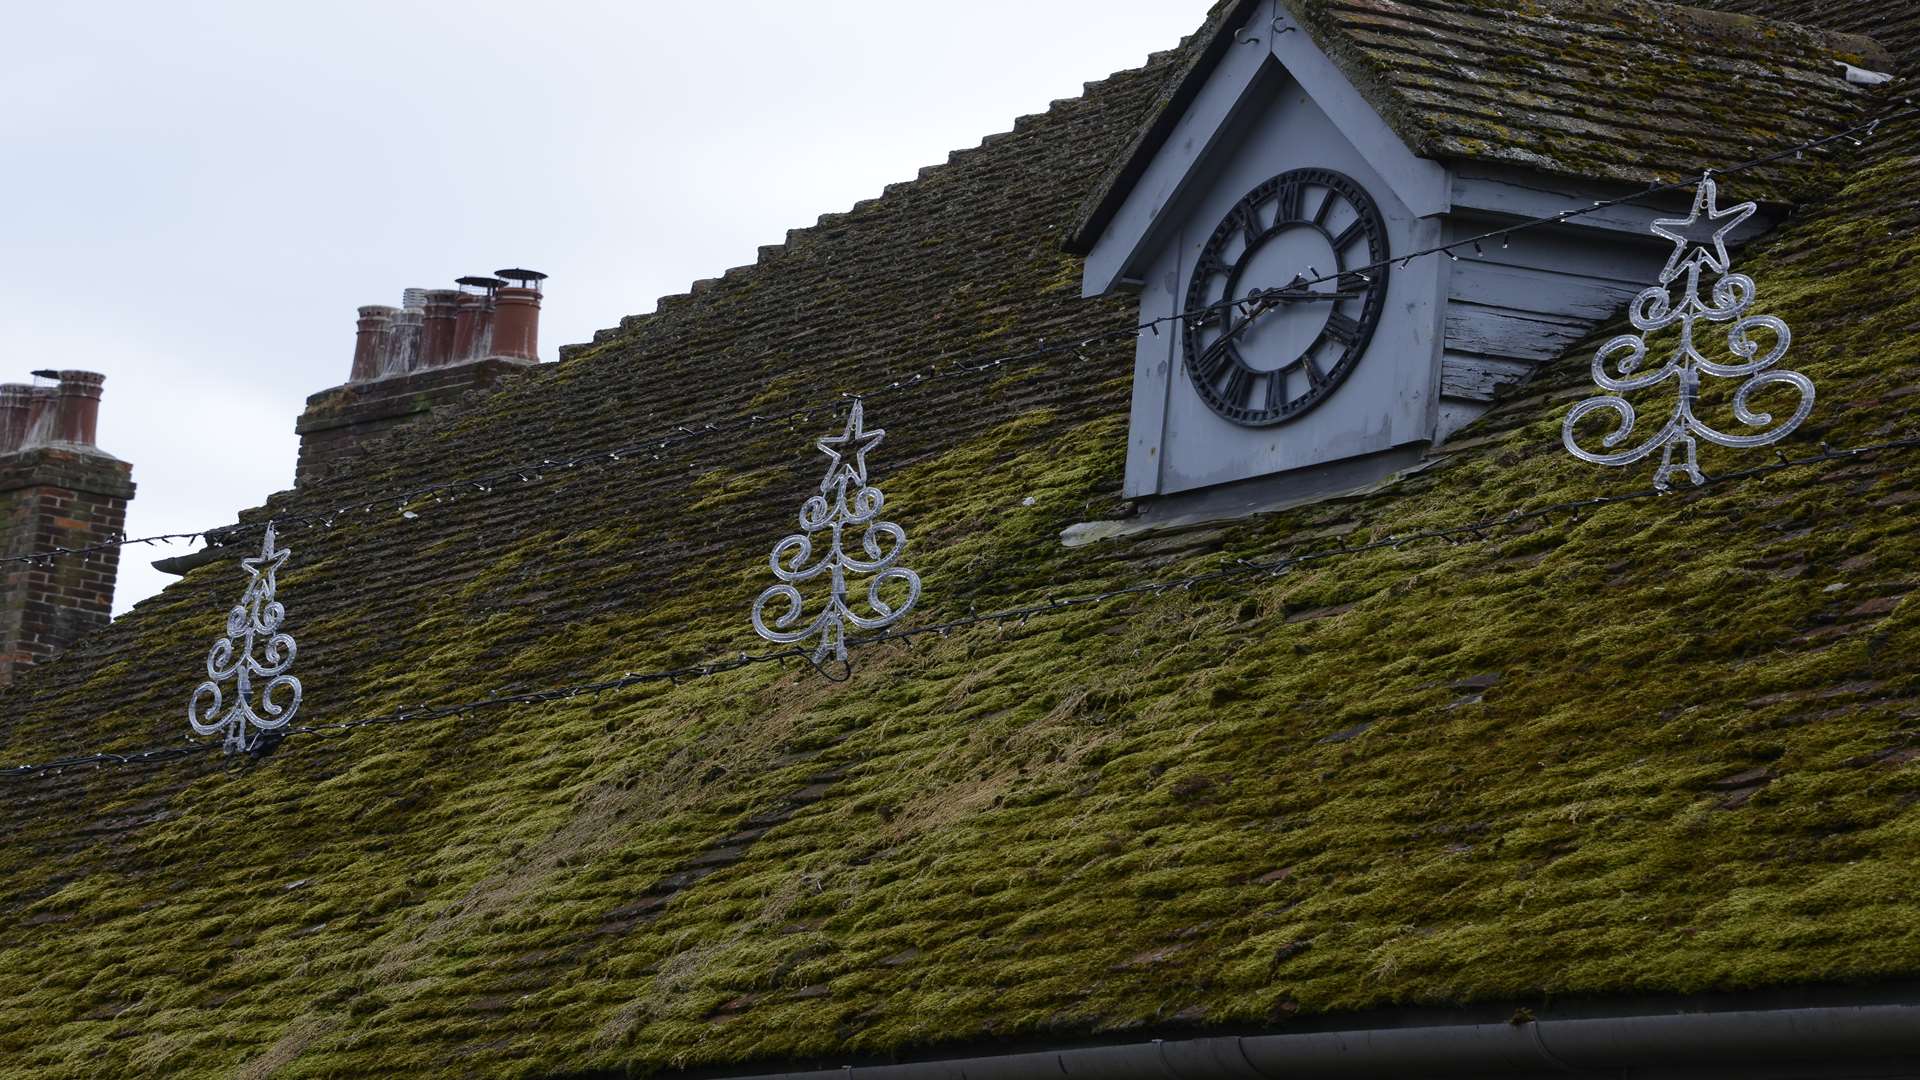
[
  {"x": 57, "y": 489},
  {"x": 429, "y": 353}
]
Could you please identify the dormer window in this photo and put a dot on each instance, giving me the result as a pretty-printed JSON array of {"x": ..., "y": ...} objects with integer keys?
[{"x": 1309, "y": 151}]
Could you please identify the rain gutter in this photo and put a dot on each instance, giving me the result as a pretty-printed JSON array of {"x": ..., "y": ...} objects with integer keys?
[{"x": 1833, "y": 1041}]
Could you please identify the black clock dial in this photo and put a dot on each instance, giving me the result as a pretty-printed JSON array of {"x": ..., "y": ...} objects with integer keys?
[{"x": 1285, "y": 346}]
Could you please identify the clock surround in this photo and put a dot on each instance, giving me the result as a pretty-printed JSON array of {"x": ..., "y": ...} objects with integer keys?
[{"x": 1298, "y": 210}]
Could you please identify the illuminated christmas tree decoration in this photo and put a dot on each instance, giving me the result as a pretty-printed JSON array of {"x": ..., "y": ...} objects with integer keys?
[
  {"x": 256, "y": 618},
  {"x": 845, "y": 501},
  {"x": 1655, "y": 309}
]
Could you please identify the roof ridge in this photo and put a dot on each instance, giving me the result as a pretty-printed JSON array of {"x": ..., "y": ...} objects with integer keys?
[{"x": 1023, "y": 124}]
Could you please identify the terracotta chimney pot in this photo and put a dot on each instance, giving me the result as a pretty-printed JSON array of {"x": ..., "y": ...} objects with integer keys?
[
  {"x": 466, "y": 319},
  {"x": 78, "y": 418},
  {"x": 403, "y": 342},
  {"x": 516, "y": 323},
  {"x": 370, "y": 342},
  {"x": 42, "y": 405},
  {"x": 437, "y": 333},
  {"x": 16, "y": 399}
]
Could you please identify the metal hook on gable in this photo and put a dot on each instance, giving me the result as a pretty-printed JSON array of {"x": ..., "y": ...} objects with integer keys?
[
  {"x": 1243, "y": 36},
  {"x": 1280, "y": 26}
]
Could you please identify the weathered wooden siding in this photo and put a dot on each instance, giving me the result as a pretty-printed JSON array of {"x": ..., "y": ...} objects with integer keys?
[{"x": 1513, "y": 306}]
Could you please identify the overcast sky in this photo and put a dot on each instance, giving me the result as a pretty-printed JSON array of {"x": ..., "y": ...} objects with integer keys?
[{"x": 198, "y": 195}]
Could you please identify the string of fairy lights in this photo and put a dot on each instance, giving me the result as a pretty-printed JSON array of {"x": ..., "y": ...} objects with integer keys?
[
  {"x": 266, "y": 613},
  {"x": 1480, "y": 530},
  {"x": 653, "y": 447}
]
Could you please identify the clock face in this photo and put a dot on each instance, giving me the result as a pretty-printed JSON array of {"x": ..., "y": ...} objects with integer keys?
[{"x": 1286, "y": 346}]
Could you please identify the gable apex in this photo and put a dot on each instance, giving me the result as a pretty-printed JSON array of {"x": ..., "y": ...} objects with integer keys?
[{"x": 1258, "y": 53}]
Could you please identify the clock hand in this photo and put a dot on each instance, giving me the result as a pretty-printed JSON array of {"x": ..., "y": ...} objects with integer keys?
[
  {"x": 1265, "y": 300},
  {"x": 1274, "y": 295}
]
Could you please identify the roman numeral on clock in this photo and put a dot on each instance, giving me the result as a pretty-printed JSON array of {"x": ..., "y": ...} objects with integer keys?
[
  {"x": 1289, "y": 201},
  {"x": 1326, "y": 207},
  {"x": 1276, "y": 390},
  {"x": 1342, "y": 329},
  {"x": 1239, "y": 381},
  {"x": 1216, "y": 359},
  {"x": 1249, "y": 224}
]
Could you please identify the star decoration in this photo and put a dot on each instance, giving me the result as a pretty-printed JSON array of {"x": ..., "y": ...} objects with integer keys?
[
  {"x": 1689, "y": 255},
  {"x": 268, "y": 558},
  {"x": 854, "y": 441}
]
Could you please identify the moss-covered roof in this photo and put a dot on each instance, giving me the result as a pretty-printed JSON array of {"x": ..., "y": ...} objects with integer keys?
[
  {"x": 1626, "y": 90},
  {"x": 1666, "y": 746},
  {"x": 1611, "y": 90}
]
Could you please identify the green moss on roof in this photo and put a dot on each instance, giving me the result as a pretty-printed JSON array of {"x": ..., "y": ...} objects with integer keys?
[
  {"x": 1895, "y": 27},
  {"x": 1669, "y": 746}
]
